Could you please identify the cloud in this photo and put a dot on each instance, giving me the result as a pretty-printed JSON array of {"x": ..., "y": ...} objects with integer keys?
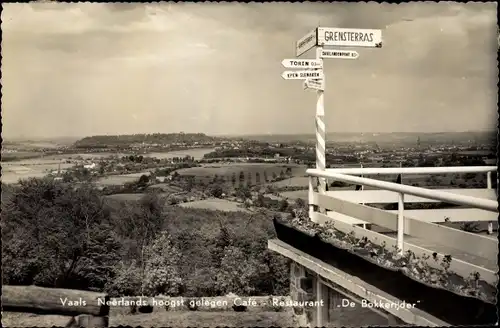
[{"x": 89, "y": 68}]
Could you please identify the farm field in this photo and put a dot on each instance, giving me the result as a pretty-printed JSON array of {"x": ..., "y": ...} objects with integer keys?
[
  {"x": 114, "y": 180},
  {"x": 13, "y": 171},
  {"x": 215, "y": 204},
  {"x": 130, "y": 197},
  {"x": 197, "y": 153},
  {"x": 19, "y": 155},
  {"x": 297, "y": 181},
  {"x": 256, "y": 171}
]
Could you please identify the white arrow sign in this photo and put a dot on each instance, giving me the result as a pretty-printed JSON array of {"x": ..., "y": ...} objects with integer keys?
[
  {"x": 315, "y": 84},
  {"x": 345, "y": 54},
  {"x": 349, "y": 37},
  {"x": 306, "y": 43},
  {"x": 302, "y": 63},
  {"x": 302, "y": 75}
]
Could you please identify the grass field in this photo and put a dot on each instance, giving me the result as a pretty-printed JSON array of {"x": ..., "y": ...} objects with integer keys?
[
  {"x": 197, "y": 153},
  {"x": 120, "y": 179},
  {"x": 256, "y": 171},
  {"x": 215, "y": 204},
  {"x": 297, "y": 181},
  {"x": 132, "y": 197}
]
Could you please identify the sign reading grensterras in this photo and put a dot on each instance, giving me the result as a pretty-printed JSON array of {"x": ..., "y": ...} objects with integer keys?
[
  {"x": 349, "y": 37},
  {"x": 306, "y": 43}
]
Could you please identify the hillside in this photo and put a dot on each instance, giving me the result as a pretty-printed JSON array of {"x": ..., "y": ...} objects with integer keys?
[
  {"x": 382, "y": 138},
  {"x": 105, "y": 141}
]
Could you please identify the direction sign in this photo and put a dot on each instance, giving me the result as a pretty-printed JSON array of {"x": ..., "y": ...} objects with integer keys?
[
  {"x": 346, "y": 54},
  {"x": 349, "y": 37},
  {"x": 302, "y": 63},
  {"x": 318, "y": 84},
  {"x": 301, "y": 75},
  {"x": 306, "y": 43}
]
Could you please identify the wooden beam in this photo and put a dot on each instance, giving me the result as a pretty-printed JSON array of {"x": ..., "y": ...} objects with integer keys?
[
  {"x": 388, "y": 197},
  {"x": 468, "y": 242},
  {"x": 355, "y": 285},
  {"x": 33, "y": 299},
  {"x": 462, "y": 268},
  {"x": 321, "y": 292},
  {"x": 453, "y": 215}
]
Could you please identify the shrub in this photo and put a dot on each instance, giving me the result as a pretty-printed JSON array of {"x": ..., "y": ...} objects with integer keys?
[
  {"x": 127, "y": 280},
  {"x": 162, "y": 267}
]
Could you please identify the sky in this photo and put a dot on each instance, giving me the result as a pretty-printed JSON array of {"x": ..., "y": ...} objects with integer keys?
[{"x": 80, "y": 69}]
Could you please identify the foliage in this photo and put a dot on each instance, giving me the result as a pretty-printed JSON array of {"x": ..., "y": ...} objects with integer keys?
[
  {"x": 127, "y": 280},
  {"x": 162, "y": 267},
  {"x": 60, "y": 235}
]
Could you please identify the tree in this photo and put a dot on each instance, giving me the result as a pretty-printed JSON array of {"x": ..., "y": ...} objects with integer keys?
[
  {"x": 266, "y": 178},
  {"x": 216, "y": 191},
  {"x": 300, "y": 203},
  {"x": 257, "y": 178},
  {"x": 238, "y": 273},
  {"x": 50, "y": 230},
  {"x": 143, "y": 180},
  {"x": 162, "y": 267},
  {"x": 140, "y": 222},
  {"x": 283, "y": 205}
]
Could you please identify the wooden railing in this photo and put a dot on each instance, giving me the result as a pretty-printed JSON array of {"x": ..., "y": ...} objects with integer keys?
[
  {"x": 339, "y": 206},
  {"x": 83, "y": 308}
]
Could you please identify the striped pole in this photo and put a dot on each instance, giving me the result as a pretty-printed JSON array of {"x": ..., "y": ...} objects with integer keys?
[{"x": 320, "y": 131}]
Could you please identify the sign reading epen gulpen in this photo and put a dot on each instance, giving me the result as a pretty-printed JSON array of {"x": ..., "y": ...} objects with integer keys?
[{"x": 302, "y": 75}]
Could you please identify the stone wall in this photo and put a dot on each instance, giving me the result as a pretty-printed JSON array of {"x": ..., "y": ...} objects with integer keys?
[{"x": 302, "y": 289}]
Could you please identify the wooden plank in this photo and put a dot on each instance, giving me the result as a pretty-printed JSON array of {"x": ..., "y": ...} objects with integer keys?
[
  {"x": 33, "y": 299},
  {"x": 345, "y": 218},
  {"x": 462, "y": 268},
  {"x": 453, "y": 214},
  {"x": 466, "y": 241},
  {"x": 355, "y": 285},
  {"x": 387, "y": 197}
]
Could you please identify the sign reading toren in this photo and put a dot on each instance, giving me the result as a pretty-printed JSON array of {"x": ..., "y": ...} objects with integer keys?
[
  {"x": 349, "y": 37},
  {"x": 302, "y": 63}
]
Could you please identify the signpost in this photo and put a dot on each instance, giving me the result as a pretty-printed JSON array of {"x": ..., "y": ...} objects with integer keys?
[
  {"x": 314, "y": 77},
  {"x": 345, "y": 54},
  {"x": 302, "y": 75},
  {"x": 302, "y": 63}
]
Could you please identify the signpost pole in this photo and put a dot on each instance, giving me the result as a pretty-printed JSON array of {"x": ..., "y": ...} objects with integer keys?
[{"x": 320, "y": 131}]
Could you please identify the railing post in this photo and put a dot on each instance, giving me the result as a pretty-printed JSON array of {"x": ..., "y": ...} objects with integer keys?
[
  {"x": 401, "y": 220},
  {"x": 310, "y": 197},
  {"x": 488, "y": 180},
  {"x": 321, "y": 303}
]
